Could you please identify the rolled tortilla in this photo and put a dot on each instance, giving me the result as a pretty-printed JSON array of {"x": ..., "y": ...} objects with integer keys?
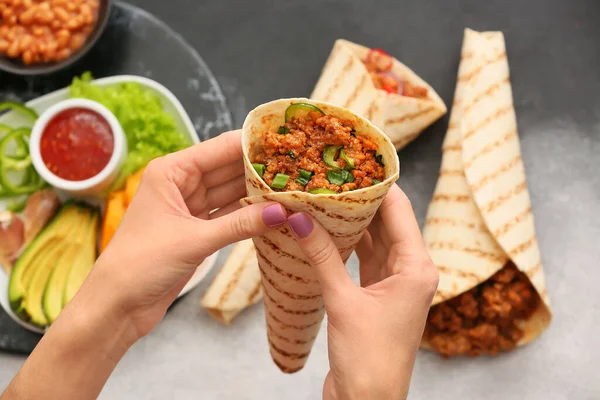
[
  {"x": 236, "y": 286},
  {"x": 346, "y": 81},
  {"x": 292, "y": 296},
  {"x": 480, "y": 215}
]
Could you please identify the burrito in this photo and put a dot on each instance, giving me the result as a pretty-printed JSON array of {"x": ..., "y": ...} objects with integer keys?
[
  {"x": 382, "y": 89},
  {"x": 479, "y": 228},
  {"x": 236, "y": 286},
  {"x": 331, "y": 163}
]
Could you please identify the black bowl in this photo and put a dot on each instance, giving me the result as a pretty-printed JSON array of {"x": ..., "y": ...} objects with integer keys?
[{"x": 16, "y": 66}]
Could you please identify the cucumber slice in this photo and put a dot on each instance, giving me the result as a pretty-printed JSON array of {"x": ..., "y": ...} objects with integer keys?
[
  {"x": 300, "y": 110},
  {"x": 322, "y": 191}
]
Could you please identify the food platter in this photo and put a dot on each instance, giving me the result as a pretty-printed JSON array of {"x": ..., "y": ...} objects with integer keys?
[{"x": 170, "y": 105}]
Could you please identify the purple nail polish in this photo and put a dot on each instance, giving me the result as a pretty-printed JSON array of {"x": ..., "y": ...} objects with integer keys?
[
  {"x": 300, "y": 224},
  {"x": 273, "y": 215}
]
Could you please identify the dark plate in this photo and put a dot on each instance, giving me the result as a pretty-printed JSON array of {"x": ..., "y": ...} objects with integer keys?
[{"x": 16, "y": 66}]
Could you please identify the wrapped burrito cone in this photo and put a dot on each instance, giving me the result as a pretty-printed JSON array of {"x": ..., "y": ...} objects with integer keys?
[
  {"x": 236, "y": 286},
  {"x": 479, "y": 228},
  {"x": 329, "y": 162},
  {"x": 381, "y": 88}
]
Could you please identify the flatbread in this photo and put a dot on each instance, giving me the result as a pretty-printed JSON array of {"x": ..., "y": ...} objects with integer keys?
[
  {"x": 236, "y": 286},
  {"x": 293, "y": 305},
  {"x": 480, "y": 215},
  {"x": 346, "y": 81}
]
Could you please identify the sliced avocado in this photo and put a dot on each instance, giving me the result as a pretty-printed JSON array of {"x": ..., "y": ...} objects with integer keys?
[
  {"x": 77, "y": 253},
  {"x": 61, "y": 253},
  {"x": 85, "y": 262},
  {"x": 24, "y": 268}
]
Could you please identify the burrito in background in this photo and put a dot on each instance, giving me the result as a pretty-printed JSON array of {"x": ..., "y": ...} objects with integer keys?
[
  {"x": 479, "y": 228},
  {"x": 402, "y": 114}
]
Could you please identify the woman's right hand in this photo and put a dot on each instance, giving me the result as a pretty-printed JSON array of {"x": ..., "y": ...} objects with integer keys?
[{"x": 374, "y": 330}]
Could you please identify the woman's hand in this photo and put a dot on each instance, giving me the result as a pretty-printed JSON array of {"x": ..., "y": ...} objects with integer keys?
[
  {"x": 373, "y": 330},
  {"x": 167, "y": 232}
]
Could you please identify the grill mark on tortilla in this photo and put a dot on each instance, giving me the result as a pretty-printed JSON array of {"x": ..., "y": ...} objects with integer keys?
[
  {"x": 456, "y": 222},
  {"x": 494, "y": 204},
  {"x": 284, "y": 292},
  {"x": 452, "y": 125},
  {"x": 289, "y": 311},
  {"x": 291, "y": 356},
  {"x": 487, "y": 120},
  {"x": 371, "y": 110},
  {"x": 405, "y": 140},
  {"x": 342, "y": 217},
  {"x": 522, "y": 247},
  {"x": 466, "y": 56},
  {"x": 499, "y": 57},
  {"x": 452, "y": 198},
  {"x": 290, "y": 326},
  {"x": 451, "y": 172},
  {"x": 338, "y": 79},
  {"x": 282, "y": 253},
  {"x": 255, "y": 293},
  {"x": 285, "y": 369},
  {"x": 457, "y": 273},
  {"x": 504, "y": 229},
  {"x": 235, "y": 279},
  {"x": 534, "y": 270},
  {"x": 516, "y": 161},
  {"x": 280, "y": 271},
  {"x": 452, "y": 147},
  {"x": 491, "y": 146},
  {"x": 360, "y": 201},
  {"x": 487, "y": 92},
  {"x": 344, "y": 235},
  {"x": 469, "y": 250},
  {"x": 288, "y": 340},
  {"x": 357, "y": 90},
  {"x": 409, "y": 117}
]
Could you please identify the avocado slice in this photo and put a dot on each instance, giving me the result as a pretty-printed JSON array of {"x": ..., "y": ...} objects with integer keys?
[
  {"x": 85, "y": 262},
  {"x": 76, "y": 256},
  {"x": 32, "y": 270}
]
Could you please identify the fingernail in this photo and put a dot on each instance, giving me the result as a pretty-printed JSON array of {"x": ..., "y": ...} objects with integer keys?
[
  {"x": 300, "y": 224},
  {"x": 273, "y": 215}
]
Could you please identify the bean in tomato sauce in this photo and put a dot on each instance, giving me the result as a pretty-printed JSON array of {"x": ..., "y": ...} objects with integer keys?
[{"x": 77, "y": 144}]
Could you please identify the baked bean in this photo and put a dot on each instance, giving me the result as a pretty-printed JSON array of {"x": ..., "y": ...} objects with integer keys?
[{"x": 45, "y": 30}]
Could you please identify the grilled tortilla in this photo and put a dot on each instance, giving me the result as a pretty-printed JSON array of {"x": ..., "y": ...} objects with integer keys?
[
  {"x": 480, "y": 219},
  {"x": 346, "y": 81},
  {"x": 292, "y": 296}
]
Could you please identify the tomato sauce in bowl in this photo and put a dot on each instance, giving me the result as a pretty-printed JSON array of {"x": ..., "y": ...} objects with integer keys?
[{"x": 77, "y": 144}]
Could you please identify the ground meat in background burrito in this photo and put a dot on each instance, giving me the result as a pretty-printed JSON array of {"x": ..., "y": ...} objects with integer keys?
[{"x": 292, "y": 296}]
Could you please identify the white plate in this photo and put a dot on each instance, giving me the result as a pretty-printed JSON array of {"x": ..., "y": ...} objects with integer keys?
[{"x": 170, "y": 104}]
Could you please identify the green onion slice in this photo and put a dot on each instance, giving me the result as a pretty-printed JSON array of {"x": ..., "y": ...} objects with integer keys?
[
  {"x": 260, "y": 169},
  {"x": 291, "y": 154},
  {"x": 322, "y": 191},
  {"x": 376, "y": 181},
  {"x": 336, "y": 177},
  {"x": 283, "y": 130},
  {"x": 329, "y": 155},
  {"x": 348, "y": 176},
  {"x": 280, "y": 181},
  {"x": 379, "y": 159},
  {"x": 304, "y": 177}
]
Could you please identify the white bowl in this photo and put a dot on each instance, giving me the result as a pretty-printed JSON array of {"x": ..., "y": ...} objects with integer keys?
[
  {"x": 170, "y": 103},
  {"x": 97, "y": 183}
]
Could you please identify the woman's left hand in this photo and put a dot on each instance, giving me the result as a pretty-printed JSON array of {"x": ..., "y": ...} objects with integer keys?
[{"x": 168, "y": 230}]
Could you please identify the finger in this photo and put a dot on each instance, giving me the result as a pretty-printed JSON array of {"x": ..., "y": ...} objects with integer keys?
[
  {"x": 369, "y": 267},
  {"x": 251, "y": 221},
  {"x": 223, "y": 174},
  {"x": 226, "y": 193},
  {"x": 214, "y": 153},
  {"x": 399, "y": 226},
  {"x": 322, "y": 253},
  {"x": 229, "y": 208}
]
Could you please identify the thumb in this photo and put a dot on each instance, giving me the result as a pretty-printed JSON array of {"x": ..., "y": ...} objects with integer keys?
[
  {"x": 245, "y": 223},
  {"x": 322, "y": 253}
]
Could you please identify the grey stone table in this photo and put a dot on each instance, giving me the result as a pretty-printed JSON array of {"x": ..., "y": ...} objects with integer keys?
[{"x": 262, "y": 50}]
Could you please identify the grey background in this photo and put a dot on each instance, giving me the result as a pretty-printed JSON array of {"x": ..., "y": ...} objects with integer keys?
[{"x": 261, "y": 50}]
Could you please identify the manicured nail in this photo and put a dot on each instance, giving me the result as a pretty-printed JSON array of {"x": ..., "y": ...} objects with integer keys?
[
  {"x": 300, "y": 224},
  {"x": 273, "y": 215}
]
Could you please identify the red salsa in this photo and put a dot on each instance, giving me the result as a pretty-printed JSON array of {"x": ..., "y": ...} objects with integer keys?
[{"x": 77, "y": 144}]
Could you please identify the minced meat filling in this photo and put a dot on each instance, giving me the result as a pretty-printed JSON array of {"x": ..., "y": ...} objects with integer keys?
[
  {"x": 302, "y": 147},
  {"x": 379, "y": 65},
  {"x": 485, "y": 319}
]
